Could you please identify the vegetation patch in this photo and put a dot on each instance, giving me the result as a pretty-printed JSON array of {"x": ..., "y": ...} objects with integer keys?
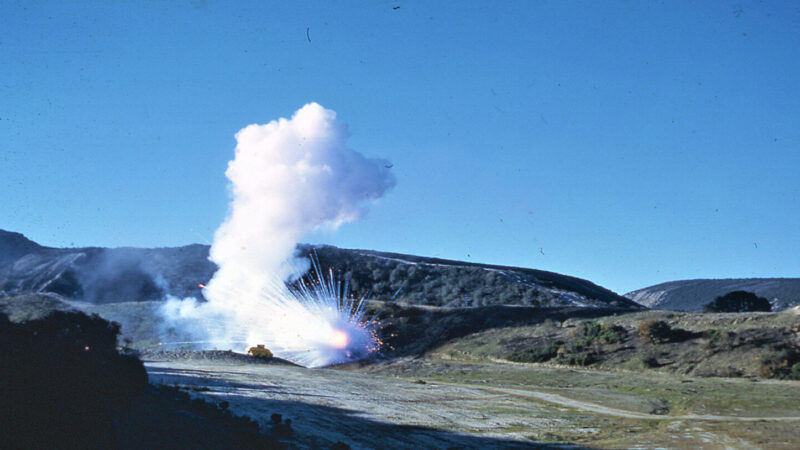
[
  {"x": 738, "y": 301},
  {"x": 784, "y": 364},
  {"x": 577, "y": 359},
  {"x": 706, "y": 345},
  {"x": 581, "y": 349},
  {"x": 537, "y": 354},
  {"x": 652, "y": 331},
  {"x": 593, "y": 333}
]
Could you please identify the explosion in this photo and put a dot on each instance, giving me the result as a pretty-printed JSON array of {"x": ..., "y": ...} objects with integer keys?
[
  {"x": 288, "y": 178},
  {"x": 344, "y": 333}
]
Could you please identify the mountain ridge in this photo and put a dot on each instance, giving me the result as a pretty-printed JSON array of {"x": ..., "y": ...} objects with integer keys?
[{"x": 110, "y": 275}]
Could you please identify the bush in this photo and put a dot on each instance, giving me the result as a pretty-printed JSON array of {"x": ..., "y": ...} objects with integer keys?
[
  {"x": 63, "y": 381},
  {"x": 259, "y": 351},
  {"x": 738, "y": 301},
  {"x": 650, "y": 361},
  {"x": 784, "y": 364},
  {"x": 794, "y": 374},
  {"x": 577, "y": 359},
  {"x": 539, "y": 354},
  {"x": 654, "y": 331},
  {"x": 593, "y": 333}
]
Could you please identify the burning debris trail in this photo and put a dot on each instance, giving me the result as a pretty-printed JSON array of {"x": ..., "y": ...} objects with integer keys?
[{"x": 288, "y": 178}]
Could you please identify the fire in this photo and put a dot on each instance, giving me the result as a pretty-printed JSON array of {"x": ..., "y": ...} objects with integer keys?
[{"x": 339, "y": 339}]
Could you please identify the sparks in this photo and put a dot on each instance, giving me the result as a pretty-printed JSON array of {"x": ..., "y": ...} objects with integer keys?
[
  {"x": 314, "y": 321},
  {"x": 336, "y": 329}
]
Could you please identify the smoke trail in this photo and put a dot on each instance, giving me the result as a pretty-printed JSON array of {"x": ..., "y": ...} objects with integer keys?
[{"x": 288, "y": 178}]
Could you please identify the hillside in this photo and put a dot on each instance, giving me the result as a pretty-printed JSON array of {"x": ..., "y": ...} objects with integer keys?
[
  {"x": 115, "y": 275},
  {"x": 691, "y": 295},
  {"x": 440, "y": 282}
]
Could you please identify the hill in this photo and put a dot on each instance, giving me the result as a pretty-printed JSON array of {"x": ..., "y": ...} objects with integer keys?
[
  {"x": 115, "y": 275},
  {"x": 691, "y": 295}
]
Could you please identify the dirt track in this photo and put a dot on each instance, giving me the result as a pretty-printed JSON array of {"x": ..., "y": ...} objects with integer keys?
[{"x": 593, "y": 407}]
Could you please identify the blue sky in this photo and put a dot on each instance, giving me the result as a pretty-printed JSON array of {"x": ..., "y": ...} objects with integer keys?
[{"x": 628, "y": 143}]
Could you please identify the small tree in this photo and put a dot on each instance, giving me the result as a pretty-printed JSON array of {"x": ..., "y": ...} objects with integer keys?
[
  {"x": 653, "y": 331},
  {"x": 738, "y": 301}
]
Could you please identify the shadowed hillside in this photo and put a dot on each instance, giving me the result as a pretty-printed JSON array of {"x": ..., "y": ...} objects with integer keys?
[{"x": 101, "y": 275}]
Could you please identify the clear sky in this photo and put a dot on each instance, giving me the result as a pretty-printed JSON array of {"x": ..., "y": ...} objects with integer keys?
[{"x": 625, "y": 142}]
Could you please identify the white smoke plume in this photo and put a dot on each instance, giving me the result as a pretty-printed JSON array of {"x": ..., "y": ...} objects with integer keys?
[{"x": 288, "y": 178}]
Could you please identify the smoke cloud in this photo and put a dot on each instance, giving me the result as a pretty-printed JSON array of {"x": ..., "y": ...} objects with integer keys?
[{"x": 288, "y": 178}]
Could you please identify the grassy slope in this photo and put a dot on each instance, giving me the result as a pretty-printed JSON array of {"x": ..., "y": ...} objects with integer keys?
[{"x": 728, "y": 345}]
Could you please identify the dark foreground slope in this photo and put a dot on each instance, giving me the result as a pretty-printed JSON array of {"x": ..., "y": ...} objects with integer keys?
[
  {"x": 103, "y": 275},
  {"x": 691, "y": 295},
  {"x": 62, "y": 380},
  {"x": 64, "y": 384}
]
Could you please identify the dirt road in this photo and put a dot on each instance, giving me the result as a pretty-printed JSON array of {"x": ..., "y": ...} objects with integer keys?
[{"x": 594, "y": 407}]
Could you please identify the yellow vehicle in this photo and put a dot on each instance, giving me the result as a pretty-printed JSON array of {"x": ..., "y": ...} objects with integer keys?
[{"x": 259, "y": 351}]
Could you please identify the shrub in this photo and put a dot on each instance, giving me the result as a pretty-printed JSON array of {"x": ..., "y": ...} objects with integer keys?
[
  {"x": 538, "y": 354},
  {"x": 784, "y": 364},
  {"x": 650, "y": 361},
  {"x": 654, "y": 331},
  {"x": 259, "y": 351},
  {"x": 63, "y": 382},
  {"x": 738, "y": 301},
  {"x": 611, "y": 334},
  {"x": 577, "y": 359},
  {"x": 794, "y": 374},
  {"x": 593, "y": 333}
]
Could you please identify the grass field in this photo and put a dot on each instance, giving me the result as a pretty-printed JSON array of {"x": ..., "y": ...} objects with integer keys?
[{"x": 626, "y": 409}]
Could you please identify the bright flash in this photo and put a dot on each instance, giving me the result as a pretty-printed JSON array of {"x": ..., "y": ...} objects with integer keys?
[{"x": 339, "y": 339}]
